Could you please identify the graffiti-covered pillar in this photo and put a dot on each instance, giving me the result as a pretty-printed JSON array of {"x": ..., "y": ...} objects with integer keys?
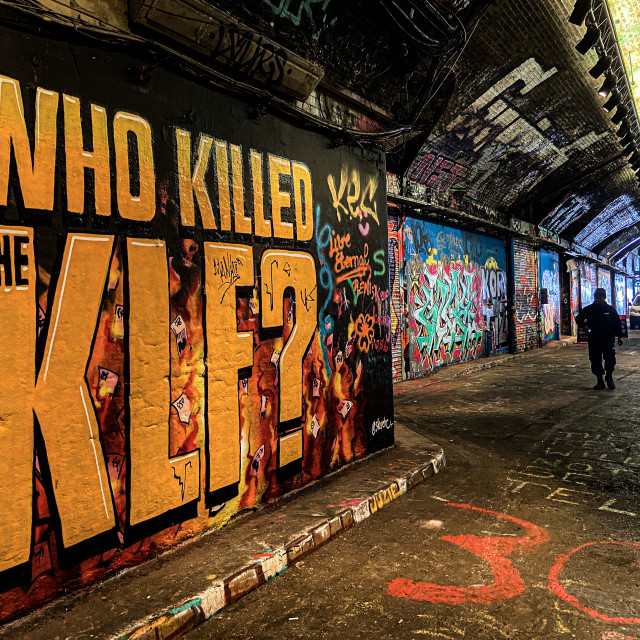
[
  {"x": 605, "y": 282},
  {"x": 525, "y": 287},
  {"x": 397, "y": 293},
  {"x": 588, "y": 283},
  {"x": 549, "y": 296},
  {"x": 619, "y": 293}
]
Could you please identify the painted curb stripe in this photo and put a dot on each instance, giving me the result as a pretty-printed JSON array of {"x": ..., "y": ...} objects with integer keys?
[{"x": 179, "y": 620}]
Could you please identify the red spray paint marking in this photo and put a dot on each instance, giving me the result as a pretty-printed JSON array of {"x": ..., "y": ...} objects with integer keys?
[
  {"x": 560, "y": 591},
  {"x": 493, "y": 550},
  {"x": 353, "y": 502}
]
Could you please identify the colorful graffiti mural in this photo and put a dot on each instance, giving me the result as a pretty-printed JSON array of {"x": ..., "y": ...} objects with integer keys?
[
  {"x": 604, "y": 282},
  {"x": 494, "y": 298},
  {"x": 396, "y": 288},
  {"x": 456, "y": 288},
  {"x": 587, "y": 283},
  {"x": 525, "y": 270},
  {"x": 575, "y": 299},
  {"x": 200, "y": 314},
  {"x": 550, "y": 282},
  {"x": 621, "y": 294}
]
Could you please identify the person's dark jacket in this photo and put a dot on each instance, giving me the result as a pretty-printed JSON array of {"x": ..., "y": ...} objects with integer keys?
[{"x": 602, "y": 320}]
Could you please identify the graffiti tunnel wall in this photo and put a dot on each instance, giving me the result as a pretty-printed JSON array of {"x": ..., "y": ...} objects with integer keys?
[
  {"x": 525, "y": 283},
  {"x": 575, "y": 299},
  {"x": 456, "y": 295},
  {"x": 588, "y": 283},
  {"x": 550, "y": 287},
  {"x": 604, "y": 282},
  {"x": 199, "y": 308}
]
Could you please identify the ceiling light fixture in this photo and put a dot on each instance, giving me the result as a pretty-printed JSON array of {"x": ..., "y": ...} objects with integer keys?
[
  {"x": 580, "y": 11},
  {"x": 589, "y": 40},
  {"x": 621, "y": 112},
  {"x": 612, "y": 102},
  {"x": 600, "y": 67},
  {"x": 607, "y": 86},
  {"x": 623, "y": 130},
  {"x": 627, "y": 140}
]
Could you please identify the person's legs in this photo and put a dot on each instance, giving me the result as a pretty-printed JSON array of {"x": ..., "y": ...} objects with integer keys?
[
  {"x": 595, "y": 357},
  {"x": 609, "y": 354}
]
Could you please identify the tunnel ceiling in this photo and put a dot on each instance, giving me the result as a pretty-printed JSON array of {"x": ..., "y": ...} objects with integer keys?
[
  {"x": 525, "y": 132},
  {"x": 389, "y": 52},
  {"x": 498, "y": 109}
]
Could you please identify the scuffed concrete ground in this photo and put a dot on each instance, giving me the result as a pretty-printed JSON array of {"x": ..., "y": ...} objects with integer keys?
[{"x": 530, "y": 532}]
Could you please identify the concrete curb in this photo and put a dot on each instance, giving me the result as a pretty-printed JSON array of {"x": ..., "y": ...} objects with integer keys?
[
  {"x": 202, "y": 606},
  {"x": 490, "y": 364}
]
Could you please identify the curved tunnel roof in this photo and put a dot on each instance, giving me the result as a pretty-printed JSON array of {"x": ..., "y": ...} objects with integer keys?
[{"x": 525, "y": 132}]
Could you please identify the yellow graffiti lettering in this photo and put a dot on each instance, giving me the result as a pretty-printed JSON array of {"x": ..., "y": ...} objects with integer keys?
[
  {"x": 337, "y": 193},
  {"x": 16, "y": 435},
  {"x": 242, "y": 223},
  {"x": 550, "y": 452},
  {"x": 140, "y": 207},
  {"x": 158, "y": 483},
  {"x": 37, "y": 173},
  {"x": 560, "y": 493},
  {"x": 304, "y": 223},
  {"x": 537, "y": 472},
  {"x": 567, "y": 477},
  {"x": 262, "y": 226},
  {"x": 384, "y": 497},
  {"x": 227, "y": 267},
  {"x": 61, "y": 401},
  {"x": 224, "y": 197},
  {"x": 77, "y": 158},
  {"x": 281, "y": 270},
  {"x": 352, "y": 199},
  {"x": 191, "y": 183},
  {"x": 279, "y": 199}
]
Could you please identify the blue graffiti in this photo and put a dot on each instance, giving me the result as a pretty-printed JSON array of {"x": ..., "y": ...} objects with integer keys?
[
  {"x": 326, "y": 324},
  {"x": 283, "y": 9}
]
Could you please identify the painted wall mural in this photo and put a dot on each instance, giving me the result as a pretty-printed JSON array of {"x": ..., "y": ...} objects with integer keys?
[
  {"x": 587, "y": 283},
  {"x": 397, "y": 291},
  {"x": 199, "y": 306},
  {"x": 550, "y": 281},
  {"x": 525, "y": 271},
  {"x": 604, "y": 282},
  {"x": 575, "y": 299},
  {"x": 456, "y": 287},
  {"x": 621, "y": 294}
]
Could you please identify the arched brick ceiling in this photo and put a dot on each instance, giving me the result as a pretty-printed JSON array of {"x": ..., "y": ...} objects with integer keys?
[
  {"x": 617, "y": 216},
  {"x": 626, "y": 240},
  {"x": 525, "y": 133}
]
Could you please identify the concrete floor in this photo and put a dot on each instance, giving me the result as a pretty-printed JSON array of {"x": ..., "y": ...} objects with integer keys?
[{"x": 530, "y": 532}]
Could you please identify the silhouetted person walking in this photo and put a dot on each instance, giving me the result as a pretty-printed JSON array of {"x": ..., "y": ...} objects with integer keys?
[{"x": 604, "y": 326}]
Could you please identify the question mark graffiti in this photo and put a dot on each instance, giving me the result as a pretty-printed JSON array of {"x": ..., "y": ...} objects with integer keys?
[{"x": 280, "y": 271}]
